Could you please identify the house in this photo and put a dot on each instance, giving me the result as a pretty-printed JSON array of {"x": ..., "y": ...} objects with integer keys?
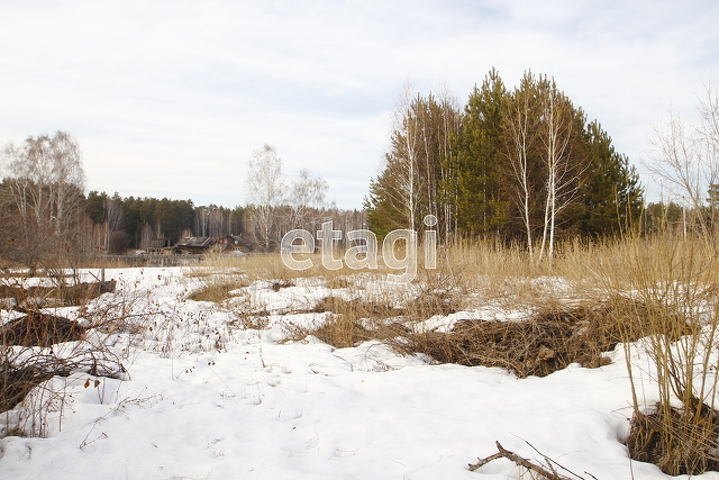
[
  {"x": 234, "y": 243},
  {"x": 157, "y": 245},
  {"x": 194, "y": 245}
]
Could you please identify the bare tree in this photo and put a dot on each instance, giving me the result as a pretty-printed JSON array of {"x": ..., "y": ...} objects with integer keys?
[
  {"x": 114, "y": 216},
  {"x": 43, "y": 197},
  {"x": 265, "y": 186},
  {"x": 407, "y": 139},
  {"x": 211, "y": 221},
  {"x": 564, "y": 171},
  {"x": 418, "y": 175},
  {"x": 307, "y": 200},
  {"x": 685, "y": 157}
]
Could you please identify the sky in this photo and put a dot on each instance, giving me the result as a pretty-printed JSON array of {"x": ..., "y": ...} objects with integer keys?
[{"x": 172, "y": 98}]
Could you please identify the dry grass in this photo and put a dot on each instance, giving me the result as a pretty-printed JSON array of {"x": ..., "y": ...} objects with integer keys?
[
  {"x": 351, "y": 322},
  {"x": 217, "y": 288},
  {"x": 58, "y": 295},
  {"x": 676, "y": 278},
  {"x": 549, "y": 341},
  {"x": 663, "y": 288},
  {"x": 28, "y": 359},
  {"x": 40, "y": 329},
  {"x": 677, "y": 440}
]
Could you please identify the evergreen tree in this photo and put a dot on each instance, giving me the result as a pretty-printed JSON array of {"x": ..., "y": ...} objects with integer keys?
[
  {"x": 481, "y": 207},
  {"x": 95, "y": 206},
  {"x": 612, "y": 198}
]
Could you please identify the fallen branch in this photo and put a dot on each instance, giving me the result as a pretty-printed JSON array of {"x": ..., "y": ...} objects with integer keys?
[{"x": 522, "y": 462}]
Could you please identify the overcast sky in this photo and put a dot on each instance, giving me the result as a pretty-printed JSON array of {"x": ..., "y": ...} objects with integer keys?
[{"x": 170, "y": 99}]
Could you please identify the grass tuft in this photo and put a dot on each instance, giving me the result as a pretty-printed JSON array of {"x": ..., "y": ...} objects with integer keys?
[{"x": 217, "y": 288}]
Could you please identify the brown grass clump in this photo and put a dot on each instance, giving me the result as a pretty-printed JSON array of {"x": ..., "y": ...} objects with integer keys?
[
  {"x": 16, "y": 383},
  {"x": 74, "y": 295},
  {"x": 679, "y": 441},
  {"x": 23, "y": 367},
  {"x": 356, "y": 308},
  {"x": 429, "y": 302},
  {"x": 217, "y": 289},
  {"x": 343, "y": 332},
  {"x": 40, "y": 329},
  {"x": 351, "y": 322},
  {"x": 338, "y": 282},
  {"x": 545, "y": 343}
]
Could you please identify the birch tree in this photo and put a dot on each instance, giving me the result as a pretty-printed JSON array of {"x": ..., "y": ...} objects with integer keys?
[
  {"x": 43, "y": 196},
  {"x": 407, "y": 143},
  {"x": 564, "y": 171},
  {"x": 307, "y": 200},
  {"x": 686, "y": 157},
  {"x": 265, "y": 187},
  {"x": 521, "y": 137},
  {"x": 419, "y": 172}
]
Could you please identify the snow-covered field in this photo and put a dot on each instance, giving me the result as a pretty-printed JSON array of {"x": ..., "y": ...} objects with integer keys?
[{"x": 206, "y": 398}]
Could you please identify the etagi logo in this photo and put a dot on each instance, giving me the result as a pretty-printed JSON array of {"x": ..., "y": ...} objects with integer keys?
[{"x": 364, "y": 250}]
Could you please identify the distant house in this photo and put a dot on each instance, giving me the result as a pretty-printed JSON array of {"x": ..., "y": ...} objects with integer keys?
[
  {"x": 157, "y": 245},
  {"x": 234, "y": 243},
  {"x": 228, "y": 243},
  {"x": 194, "y": 245}
]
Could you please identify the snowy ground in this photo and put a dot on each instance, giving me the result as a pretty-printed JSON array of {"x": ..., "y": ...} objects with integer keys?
[{"x": 206, "y": 399}]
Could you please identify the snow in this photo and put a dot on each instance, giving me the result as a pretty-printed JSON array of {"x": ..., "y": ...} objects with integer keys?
[{"x": 203, "y": 399}]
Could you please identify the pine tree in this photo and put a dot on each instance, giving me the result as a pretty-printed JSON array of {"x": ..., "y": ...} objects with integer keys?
[
  {"x": 612, "y": 198},
  {"x": 520, "y": 166},
  {"x": 481, "y": 208}
]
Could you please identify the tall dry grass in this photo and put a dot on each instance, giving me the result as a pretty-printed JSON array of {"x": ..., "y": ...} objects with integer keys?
[{"x": 677, "y": 278}]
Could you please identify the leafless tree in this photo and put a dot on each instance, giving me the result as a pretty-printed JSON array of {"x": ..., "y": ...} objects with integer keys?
[
  {"x": 265, "y": 186},
  {"x": 686, "y": 157},
  {"x": 307, "y": 200},
  {"x": 563, "y": 170},
  {"x": 521, "y": 137},
  {"x": 114, "y": 217},
  {"x": 42, "y": 196},
  {"x": 219, "y": 223},
  {"x": 407, "y": 138}
]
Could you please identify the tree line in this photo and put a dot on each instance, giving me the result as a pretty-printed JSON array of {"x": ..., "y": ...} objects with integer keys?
[
  {"x": 521, "y": 165},
  {"x": 145, "y": 223},
  {"x": 46, "y": 218}
]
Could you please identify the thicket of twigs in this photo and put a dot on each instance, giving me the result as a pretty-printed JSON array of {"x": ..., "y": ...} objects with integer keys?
[{"x": 31, "y": 353}]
